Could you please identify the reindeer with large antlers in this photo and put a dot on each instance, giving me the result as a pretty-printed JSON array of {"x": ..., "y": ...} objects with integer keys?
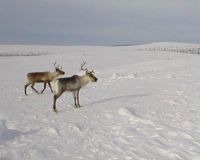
[
  {"x": 72, "y": 84},
  {"x": 42, "y": 77}
]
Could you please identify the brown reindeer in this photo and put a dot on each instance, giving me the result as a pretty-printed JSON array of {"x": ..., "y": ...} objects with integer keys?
[
  {"x": 42, "y": 77},
  {"x": 72, "y": 84}
]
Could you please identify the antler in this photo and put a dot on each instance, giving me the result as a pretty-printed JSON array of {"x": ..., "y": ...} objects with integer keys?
[
  {"x": 83, "y": 69},
  {"x": 57, "y": 65}
]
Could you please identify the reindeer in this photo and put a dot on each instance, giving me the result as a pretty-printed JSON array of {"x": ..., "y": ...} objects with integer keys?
[
  {"x": 42, "y": 77},
  {"x": 72, "y": 84}
]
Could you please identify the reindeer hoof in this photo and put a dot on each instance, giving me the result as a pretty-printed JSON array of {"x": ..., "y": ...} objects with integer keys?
[{"x": 55, "y": 110}]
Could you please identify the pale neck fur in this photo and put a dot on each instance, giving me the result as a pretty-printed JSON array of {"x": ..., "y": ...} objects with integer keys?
[
  {"x": 84, "y": 80},
  {"x": 53, "y": 75}
]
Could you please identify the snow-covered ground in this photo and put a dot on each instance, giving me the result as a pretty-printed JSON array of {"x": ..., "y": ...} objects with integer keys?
[{"x": 145, "y": 105}]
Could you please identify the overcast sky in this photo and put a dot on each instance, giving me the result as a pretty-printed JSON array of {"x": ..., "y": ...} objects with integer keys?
[{"x": 99, "y": 22}]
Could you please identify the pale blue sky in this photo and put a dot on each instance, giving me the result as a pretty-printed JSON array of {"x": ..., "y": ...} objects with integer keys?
[{"x": 99, "y": 22}]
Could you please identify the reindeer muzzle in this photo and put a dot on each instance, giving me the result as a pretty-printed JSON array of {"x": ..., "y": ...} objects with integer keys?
[{"x": 95, "y": 79}]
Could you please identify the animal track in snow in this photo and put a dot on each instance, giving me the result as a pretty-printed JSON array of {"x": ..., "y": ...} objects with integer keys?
[{"x": 123, "y": 76}]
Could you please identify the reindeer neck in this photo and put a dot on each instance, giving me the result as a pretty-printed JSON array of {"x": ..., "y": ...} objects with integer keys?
[
  {"x": 54, "y": 74},
  {"x": 84, "y": 80}
]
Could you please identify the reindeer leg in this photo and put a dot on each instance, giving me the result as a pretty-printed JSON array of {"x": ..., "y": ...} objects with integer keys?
[
  {"x": 26, "y": 85},
  {"x": 75, "y": 99},
  {"x": 55, "y": 97},
  {"x": 78, "y": 98},
  {"x": 54, "y": 103},
  {"x": 32, "y": 86},
  {"x": 44, "y": 87},
  {"x": 50, "y": 86}
]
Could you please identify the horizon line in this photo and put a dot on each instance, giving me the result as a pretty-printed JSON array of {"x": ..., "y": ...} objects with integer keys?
[{"x": 112, "y": 45}]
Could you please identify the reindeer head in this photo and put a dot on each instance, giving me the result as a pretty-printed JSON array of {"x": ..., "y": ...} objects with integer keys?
[
  {"x": 89, "y": 74},
  {"x": 58, "y": 69}
]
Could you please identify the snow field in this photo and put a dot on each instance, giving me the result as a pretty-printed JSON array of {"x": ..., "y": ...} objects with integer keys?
[{"x": 144, "y": 106}]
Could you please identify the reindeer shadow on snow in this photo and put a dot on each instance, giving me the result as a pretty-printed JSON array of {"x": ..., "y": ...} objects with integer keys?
[
  {"x": 7, "y": 134},
  {"x": 116, "y": 98}
]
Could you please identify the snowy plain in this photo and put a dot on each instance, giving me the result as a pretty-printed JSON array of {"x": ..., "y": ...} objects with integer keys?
[{"x": 145, "y": 105}]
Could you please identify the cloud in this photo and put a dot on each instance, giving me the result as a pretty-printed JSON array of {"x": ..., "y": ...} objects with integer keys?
[{"x": 98, "y": 22}]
